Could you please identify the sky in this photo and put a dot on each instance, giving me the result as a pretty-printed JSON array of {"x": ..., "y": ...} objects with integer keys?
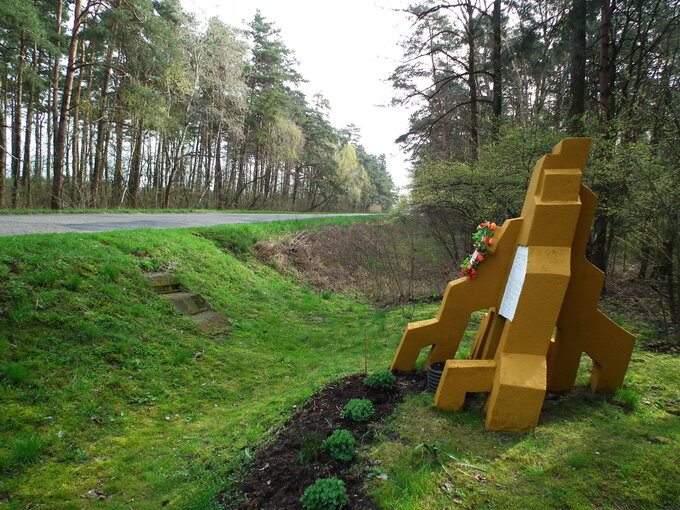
[{"x": 346, "y": 51}]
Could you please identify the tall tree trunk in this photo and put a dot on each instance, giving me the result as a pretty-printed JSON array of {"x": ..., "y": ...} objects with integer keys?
[
  {"x": 60, "y": 140},
  {"x": 117, "y": 191},
  {"x": 605, "y": 61},
  {"x": 135, "y": 166},
  {"x": 75, "y": 146},
  {"x": 219, "y": 178},
  {"x": 472, "y": 83},
  {"x": 577, "y": 81},
  {"x": 26, "y": 172},
  {"x": 16, "y": 122},
  {"x": 3, "y": 142},
  {"x": 53, "y": 123},
  {"x": 497, "y": 98},
  {"x": 102, "y": 128}
]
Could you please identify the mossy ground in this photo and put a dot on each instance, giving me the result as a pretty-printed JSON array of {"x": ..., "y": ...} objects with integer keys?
[
  {"x": 589, "y": 451},
  {"x": 110, "y": 398}
]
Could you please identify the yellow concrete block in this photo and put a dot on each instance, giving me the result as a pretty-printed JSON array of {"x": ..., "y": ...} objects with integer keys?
[
  {"x": 460, "y": 377},
  {"x": 550, "y": 285}
]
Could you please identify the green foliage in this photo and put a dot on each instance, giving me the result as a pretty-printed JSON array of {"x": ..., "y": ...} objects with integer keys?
[
  {"x": 46, "y": 277},
  {"x": 73, "y": 282},
  {"x": 381, "y": 380},
  {"x": 325, "y": 494},
  {"x": 26, "y": 449},
  {"x": 628, "y": 398},
  {"x": 311, "y": 446},
  {"x": 16, "y": 373},
  {"x": 358, "y": 409},
  {"x": 340, "y": 445}
]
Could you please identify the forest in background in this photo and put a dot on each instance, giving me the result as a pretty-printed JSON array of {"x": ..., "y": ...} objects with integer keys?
[
  {"x": 495, "y": 84},
  {"x": 133, "y": 103}
]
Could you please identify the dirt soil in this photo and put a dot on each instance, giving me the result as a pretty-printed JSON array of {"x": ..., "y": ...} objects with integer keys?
[{"x": 283, "y": 469}]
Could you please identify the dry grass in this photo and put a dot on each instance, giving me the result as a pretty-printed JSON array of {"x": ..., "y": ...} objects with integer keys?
[{"x": 390, "y": 261}]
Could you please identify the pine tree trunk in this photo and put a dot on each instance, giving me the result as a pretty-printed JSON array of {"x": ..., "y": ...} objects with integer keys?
[
  {"x": 53, "y": 124},
  {"x": 75, "y": 147},
  {"x": 219, "y": 178},
  {"x": 605, "y": 61},
  {"x": 3, "y": 145},
  {"x": 472, "y": 84},
  {"x": 60, "y": 139},
  {"x": 135, "y": 166},
  {"x": 16, "y": 122},
  {"x": 26, "y": 172},
  {"x": 577, "y": 81},
  {"x": 497, "y": 99},
  {"x": 117, "y": 191}
]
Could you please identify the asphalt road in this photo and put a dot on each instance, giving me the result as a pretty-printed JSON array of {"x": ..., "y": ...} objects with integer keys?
[{"x": 17, "y": 224}]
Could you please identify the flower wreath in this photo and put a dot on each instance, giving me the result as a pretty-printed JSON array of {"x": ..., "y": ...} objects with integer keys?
[{"x": 482, "y": 239}]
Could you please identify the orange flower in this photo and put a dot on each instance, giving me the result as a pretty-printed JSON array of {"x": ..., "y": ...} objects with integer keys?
[
  {"x": 492, "y": 226},
  {"x": 490, "y": 241}
]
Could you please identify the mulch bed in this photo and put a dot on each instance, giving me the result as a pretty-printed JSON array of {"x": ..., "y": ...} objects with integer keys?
[{"x": 283, "y": 469}]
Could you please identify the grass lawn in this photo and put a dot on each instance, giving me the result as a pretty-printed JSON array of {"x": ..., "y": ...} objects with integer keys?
[
  {"x": 109, "y": 398},
  {"x": 589, "y": 450}
]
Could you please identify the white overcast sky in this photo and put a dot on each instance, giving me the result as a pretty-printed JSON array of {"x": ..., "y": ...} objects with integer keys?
[{"x": 346, "y": 50}]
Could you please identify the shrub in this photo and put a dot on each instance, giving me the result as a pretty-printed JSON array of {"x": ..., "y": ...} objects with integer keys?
[
  {"x": 358, "y": 409},
  {"x": 381, "y": 380},
  {"x": 340, "y": 444},
  {"x": 325, "y": 494}
]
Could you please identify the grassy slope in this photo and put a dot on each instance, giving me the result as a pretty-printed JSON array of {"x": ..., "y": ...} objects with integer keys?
[{"x": 108, "y": 392}]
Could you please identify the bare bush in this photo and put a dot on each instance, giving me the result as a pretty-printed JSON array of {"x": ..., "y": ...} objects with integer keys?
[{"x": 390, "y": 261}]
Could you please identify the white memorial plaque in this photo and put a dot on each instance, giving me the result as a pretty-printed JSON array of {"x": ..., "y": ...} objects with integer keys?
[{"x": 513, "y": 287}]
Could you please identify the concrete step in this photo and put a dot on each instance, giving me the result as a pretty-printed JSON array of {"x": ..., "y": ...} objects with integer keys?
[
  {"x": 163, "y": 283},
  {"x": 189, "y": 303},
  {"x": 211, "y": 321}
]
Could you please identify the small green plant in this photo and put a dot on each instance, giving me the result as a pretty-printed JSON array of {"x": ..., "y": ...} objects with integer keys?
[
  {"x": 325, "y": 494},
  {"x": 110, "y": 273},
  {"x": 578, "y": 460},
  {"x": 26, "y": 449},
  {"x": 381, "y": 380},
  {"x": 73, "y": 282},
  {"x": 46, "y": 278},
  {"x": 311, "y": 445},
  {"x": 16, "y": 373},
  {"x": 358, "y": 409},
  {"x": 628, "y": 398},
  {"x": 18, "y": 313},
  {"x": 340, "y": 444}
]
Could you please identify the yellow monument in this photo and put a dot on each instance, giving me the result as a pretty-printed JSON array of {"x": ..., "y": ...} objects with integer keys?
[{"x": 541, "y": 294}]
